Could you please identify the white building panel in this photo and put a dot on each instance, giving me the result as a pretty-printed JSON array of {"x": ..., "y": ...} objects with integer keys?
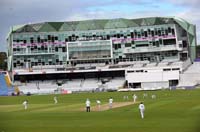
[
  {"x": 170, "y": 75},
  {"x": 152, "y": 76},
  {"x": 152, "y": 85},
  {"x": 144, "y": 77}
]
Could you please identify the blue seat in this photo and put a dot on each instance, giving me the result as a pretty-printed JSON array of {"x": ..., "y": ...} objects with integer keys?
[{"x": 4, "y": 89}]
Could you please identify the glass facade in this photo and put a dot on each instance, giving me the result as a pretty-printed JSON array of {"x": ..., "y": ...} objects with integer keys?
[{"x": 117, "y": 41}]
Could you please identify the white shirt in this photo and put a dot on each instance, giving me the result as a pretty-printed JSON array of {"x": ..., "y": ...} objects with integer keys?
[
  {"x": 141, "y": 107},
  {"x": 25, "y": 103},
  {"x": 98, "y": 102},
  {"x": 87, "y": 103},
  {"x": 153, "y": 96},
  {"x": 110, "y": 100}
]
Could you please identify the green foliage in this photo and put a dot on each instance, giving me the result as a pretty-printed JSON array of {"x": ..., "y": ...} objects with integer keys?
[
  {"x": 198, "y": 51},
  {"x": 171, "y": 111},
  {"x": 3, "y": 58}
]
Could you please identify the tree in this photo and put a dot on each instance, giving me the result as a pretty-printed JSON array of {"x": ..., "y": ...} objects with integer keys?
[
  {"x": 3, "y": 61},
  {"x": 198, "y": 51}
]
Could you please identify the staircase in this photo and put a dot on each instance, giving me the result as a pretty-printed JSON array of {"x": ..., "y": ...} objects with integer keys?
[
  {"x": 5, "y": 89},
  {"x": 191, "y": 76}
]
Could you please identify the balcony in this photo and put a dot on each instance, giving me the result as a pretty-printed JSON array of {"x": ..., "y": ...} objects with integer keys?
[
  {"x": 20, "y": 53},
  {"x": 149, "y": 49}
]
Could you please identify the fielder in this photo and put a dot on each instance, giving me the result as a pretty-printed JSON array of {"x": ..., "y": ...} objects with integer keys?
[
  {"x": 141, "y": 108},
  {"x": 99, "y": 104},
  {"x": 87, "y": 105},
  {"x": 110, "y": 102},
  {"x": 125, "y": 97},
  {"x": 153, "y": 96},
  {"x": 134, "y": 98},
  {"x": 55, "y": 100},
  {"x": 145, "y": 95},
  {"x": 25, "y": 103}
]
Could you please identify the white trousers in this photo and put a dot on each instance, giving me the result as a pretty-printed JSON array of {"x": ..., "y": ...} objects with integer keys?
[
  {"x": 55, "y": 101},
  {"x": 25, "y": 107},
  {"x": 142, "y": 113},
  {"x": 110, "y": 105}
]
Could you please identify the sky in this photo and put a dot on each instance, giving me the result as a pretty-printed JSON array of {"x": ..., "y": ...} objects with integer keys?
[{"x": 17, "y": 12}]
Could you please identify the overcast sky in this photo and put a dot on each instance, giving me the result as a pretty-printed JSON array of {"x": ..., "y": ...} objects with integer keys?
[{"x": 16, "y": 12}]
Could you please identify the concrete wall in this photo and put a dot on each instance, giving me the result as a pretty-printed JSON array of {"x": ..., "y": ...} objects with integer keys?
[
  {"x": 152, "y": 85},
  {"x": 152, "y": 76}
]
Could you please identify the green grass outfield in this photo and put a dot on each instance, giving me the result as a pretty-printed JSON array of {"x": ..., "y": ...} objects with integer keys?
[{"x": 171, "y": 111}]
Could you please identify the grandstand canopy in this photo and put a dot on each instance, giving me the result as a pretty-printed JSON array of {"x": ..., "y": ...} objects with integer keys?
[{"x": 100, "y": 24}]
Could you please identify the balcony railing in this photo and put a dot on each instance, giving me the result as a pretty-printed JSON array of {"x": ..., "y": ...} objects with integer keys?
[
  {"x": 33, "y": 52},
  {"x": 149, "y": 49}
]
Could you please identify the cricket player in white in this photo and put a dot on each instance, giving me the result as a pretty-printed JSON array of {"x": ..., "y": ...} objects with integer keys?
[
  {"x": 55, "y": 100},
  {"x": 134, "y": 98},
  {"x": 141, "y": 108},
  {"x": 87, "y": 105},
  {"x": 153, "y": 96},
  {"x": 25, "y": 103},
  {"x": 145, "y": 95},
  {"x": 99, "y": 104},
  {"x": 110, "y": 102},
  {"x": 125, "y": 97}
]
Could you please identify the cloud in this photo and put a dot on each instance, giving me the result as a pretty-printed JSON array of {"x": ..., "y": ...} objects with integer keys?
[
  {"x": 14, "y": 12},
  {"x": 186, "y": 3},
  {"x": 17, "y": 12},
  {"x": 192, "y": 16},
  {"x": 191, "y": 13}
]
